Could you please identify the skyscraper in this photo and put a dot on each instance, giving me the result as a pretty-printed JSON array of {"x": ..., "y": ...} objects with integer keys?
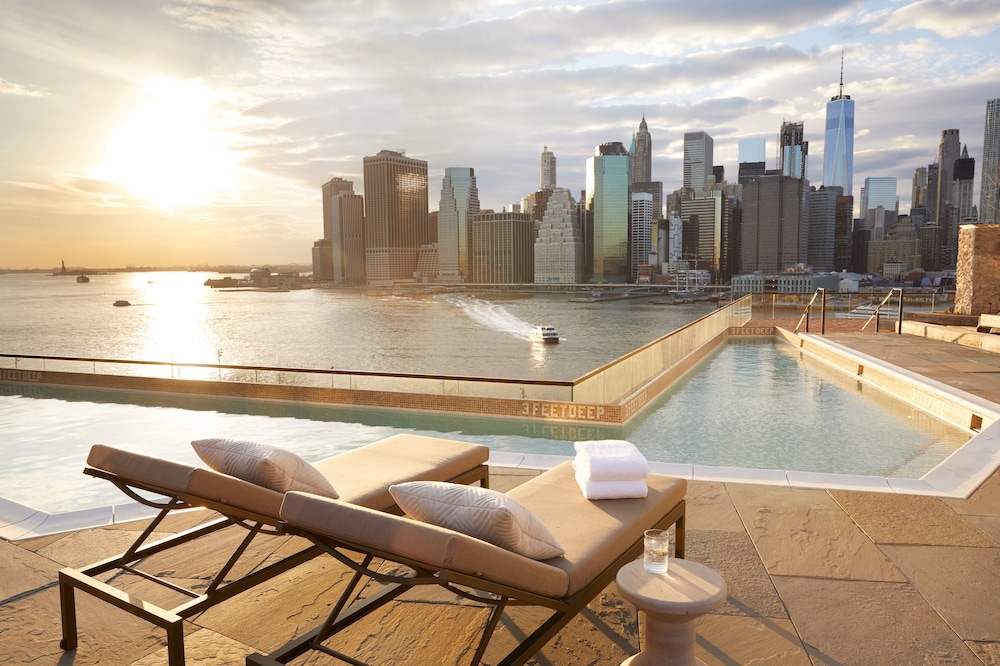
[
  {"x": 503, "y": 249},
  {"x": 698, "y": 149},
  {"x": 793, "y": 151},
  {"x": 949, "y": 151},
  {"x": 640, "y": 235},
  {"x": 822, "y": 211},
  {"x": 752, "y": 156},
  {"x": 547, "y": 170},
  {"x": 879, "y": 205},
  {"x": 775, "y": 234},
  {"x": 838, "y": 147},
  {"x": 459, "y": 200},
  {"x": 395, "y": 216},
  {"x": 608, "y": 203},
  {"x": 559, "y": 243},
  {"x": 989, "y": 194},
  {"x": 343, "y": 231},
  {"x": 961, "y": 186},
  {"x": 642, "y": 155}
]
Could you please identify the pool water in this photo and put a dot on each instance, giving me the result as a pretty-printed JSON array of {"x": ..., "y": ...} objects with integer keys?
[{"x": 752, "y": 403}]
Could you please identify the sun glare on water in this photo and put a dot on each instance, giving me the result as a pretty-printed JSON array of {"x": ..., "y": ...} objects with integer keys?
[{"x": 167, "y": 152}]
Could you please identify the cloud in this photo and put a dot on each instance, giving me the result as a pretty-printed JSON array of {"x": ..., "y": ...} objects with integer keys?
[
  {"x": 948, "y": 18},
  {"x": 8, "y": 88}
]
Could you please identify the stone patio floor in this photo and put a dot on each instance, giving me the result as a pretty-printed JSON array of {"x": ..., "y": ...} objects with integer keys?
[{"x": 814, "y": 577}]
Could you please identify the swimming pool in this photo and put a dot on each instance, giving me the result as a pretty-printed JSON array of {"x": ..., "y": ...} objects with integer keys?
[{"x": 813, "y": 420}]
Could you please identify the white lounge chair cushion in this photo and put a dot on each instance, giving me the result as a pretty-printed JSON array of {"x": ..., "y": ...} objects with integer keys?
[
  {"x": 479, "y": 512},
  {"x": 262, "y": 464}
]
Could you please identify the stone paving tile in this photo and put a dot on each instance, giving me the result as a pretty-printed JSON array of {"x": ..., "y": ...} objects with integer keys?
[
  {"x": 78, "y": 549},
  {"x": 23, "y": 571},
  {"x": 733, "y": 556},
  {"x": 962, "y": 584},
  {"x": 990, "y": 525},
  {"x": 748, "y": 641},
  {"x": 202, "y": 648},
  {"x": 811, "y": 542},
  {"x": 30, "y": 632},
  {"x": 891, "y": 518},
  {"x": 272, "y": 613},
  {"x": 709, "y": 507},
  {"x": 864, "y": 623},
  {"x": 985, "y": 501},
  {"x": 745, "y": 495},
  {"x": 988, "y": 653}
]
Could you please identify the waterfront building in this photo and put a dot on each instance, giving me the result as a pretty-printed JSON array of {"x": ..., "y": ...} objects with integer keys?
[
  {"x": 559, "y": 243},
  {"x": 822, "y": 211},
  {"x": 547, "y": 170},
  {"x": 325, "y": 266},
  {"x": 930, "y": 197},
  {"x": 341, "y": 258},
  {"x": 642, "y": 155},
  {"x": 793, "y": 150},
  {"x": 459, "y": 200},
  {"x": 698, "y": 156},
  {"x": 503, "y": 250},
  {"x": 396, "y": 216},
  {"x": 774, "y": 233},
  {"x": 838, "y": 146},
  {"x": 608, "y": 203},
  {"x": 640, "y": 235},
  {"x": 930, "y": 247},
  {"x": 989, "y": 190}
]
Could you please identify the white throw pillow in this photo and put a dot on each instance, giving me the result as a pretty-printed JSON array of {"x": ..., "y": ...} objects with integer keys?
[
  {"x": 268, "y": 466},
  {"x": 478, "y": 512}
]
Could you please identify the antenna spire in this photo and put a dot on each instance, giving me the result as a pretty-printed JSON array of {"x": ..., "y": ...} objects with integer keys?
[{"x": 841, "y": 72}]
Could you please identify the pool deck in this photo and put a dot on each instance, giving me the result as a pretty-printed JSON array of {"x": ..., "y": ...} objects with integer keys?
[{"x": 814, "y": 577}]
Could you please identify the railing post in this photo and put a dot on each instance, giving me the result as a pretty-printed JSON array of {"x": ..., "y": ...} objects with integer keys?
[
  {"x": 822, "y": 314},
  {"x": 899, "y": 322}
]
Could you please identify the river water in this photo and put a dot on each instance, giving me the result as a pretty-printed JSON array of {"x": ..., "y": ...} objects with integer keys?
[{"x": 754, "y": 405}]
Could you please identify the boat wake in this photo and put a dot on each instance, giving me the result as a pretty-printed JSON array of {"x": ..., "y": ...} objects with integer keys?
[{"x": 490, "y": 315}]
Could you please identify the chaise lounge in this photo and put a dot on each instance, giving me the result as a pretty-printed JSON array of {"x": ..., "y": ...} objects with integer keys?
[
  {"x": 361, "y": 478},
  {"x": 598, "y": 538}
]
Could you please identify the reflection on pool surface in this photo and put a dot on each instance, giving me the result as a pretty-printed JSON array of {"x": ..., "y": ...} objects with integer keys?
[{"x": 752, "y": 403}]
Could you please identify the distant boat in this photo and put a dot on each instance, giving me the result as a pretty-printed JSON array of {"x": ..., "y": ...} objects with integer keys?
[
  {"x": 121, "y": 304},
  {"x": 544, "y": 334},
  {"x": 82, "y": 278}
]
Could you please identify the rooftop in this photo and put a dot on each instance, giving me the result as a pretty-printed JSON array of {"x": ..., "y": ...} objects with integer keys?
[{"x": 814, "y": 577}]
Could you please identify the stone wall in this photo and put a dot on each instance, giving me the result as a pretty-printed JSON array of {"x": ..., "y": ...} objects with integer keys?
[{"x": 977, "y": 282}]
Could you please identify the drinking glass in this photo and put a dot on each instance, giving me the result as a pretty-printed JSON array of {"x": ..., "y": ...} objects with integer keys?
[{"x": 656, "y": 548}]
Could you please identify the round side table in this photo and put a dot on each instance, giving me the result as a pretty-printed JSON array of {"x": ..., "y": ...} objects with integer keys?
[{"x": 672, "y": 602}]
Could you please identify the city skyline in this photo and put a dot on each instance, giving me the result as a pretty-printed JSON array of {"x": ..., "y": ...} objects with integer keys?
[{"x": 185, "y": 133}]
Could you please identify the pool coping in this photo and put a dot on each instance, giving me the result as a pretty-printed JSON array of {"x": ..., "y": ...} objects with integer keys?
[{"x": 956, "y": 477}]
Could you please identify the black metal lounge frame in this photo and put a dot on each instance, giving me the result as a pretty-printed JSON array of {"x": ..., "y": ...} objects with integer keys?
[
  {"x": 470, "y": 587},
  {"x": 171, "y": 619}
]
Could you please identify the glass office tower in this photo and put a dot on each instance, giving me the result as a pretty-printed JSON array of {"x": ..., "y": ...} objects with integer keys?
[
  {"x": 838, "y": 149},
  {"x": 608, "y": 204}
]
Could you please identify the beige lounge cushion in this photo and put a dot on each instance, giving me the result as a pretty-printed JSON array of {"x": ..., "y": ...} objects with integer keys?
[
  {"x": 478, "y": 512},
  {"x": 430, "y": 545},
  {"x": 268, "y": 466}
]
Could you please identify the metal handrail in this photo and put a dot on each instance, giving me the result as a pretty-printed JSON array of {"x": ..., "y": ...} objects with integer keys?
[
  {"x": 878, "y": 310},
  {"x": 807, "y": 312}
]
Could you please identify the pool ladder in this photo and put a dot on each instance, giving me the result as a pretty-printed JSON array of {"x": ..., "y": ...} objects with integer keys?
[{"x": 807, "y": 312}]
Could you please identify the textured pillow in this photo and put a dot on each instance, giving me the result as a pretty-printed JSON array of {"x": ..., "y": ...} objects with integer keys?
[
  {"x": 478, "y": 512},
  {"x": 268, "y": 466}
]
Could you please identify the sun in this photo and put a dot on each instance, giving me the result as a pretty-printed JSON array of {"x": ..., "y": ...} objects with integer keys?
[{"x": 167, "y": 151}]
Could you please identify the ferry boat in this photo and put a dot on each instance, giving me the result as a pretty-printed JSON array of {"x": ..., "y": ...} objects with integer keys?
[
  {"x": 82, "y": 278},
  {"x": 545, "y": 334},
  {"x": 121, "y": 304}
]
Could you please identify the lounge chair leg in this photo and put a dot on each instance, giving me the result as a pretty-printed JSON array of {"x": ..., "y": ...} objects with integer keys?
[
  {"x": 679, "y": 538},
  {"x": 67, "y": 605},
  {"x": 175, "y": 644}
]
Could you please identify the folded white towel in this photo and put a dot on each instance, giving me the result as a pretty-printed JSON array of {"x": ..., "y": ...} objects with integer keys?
[
  {"x": 609, "y": 460},
  {"x": 600, "y": 490}
]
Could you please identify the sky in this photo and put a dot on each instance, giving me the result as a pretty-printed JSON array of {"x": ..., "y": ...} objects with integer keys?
[{"x": 136, "y": 133}]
